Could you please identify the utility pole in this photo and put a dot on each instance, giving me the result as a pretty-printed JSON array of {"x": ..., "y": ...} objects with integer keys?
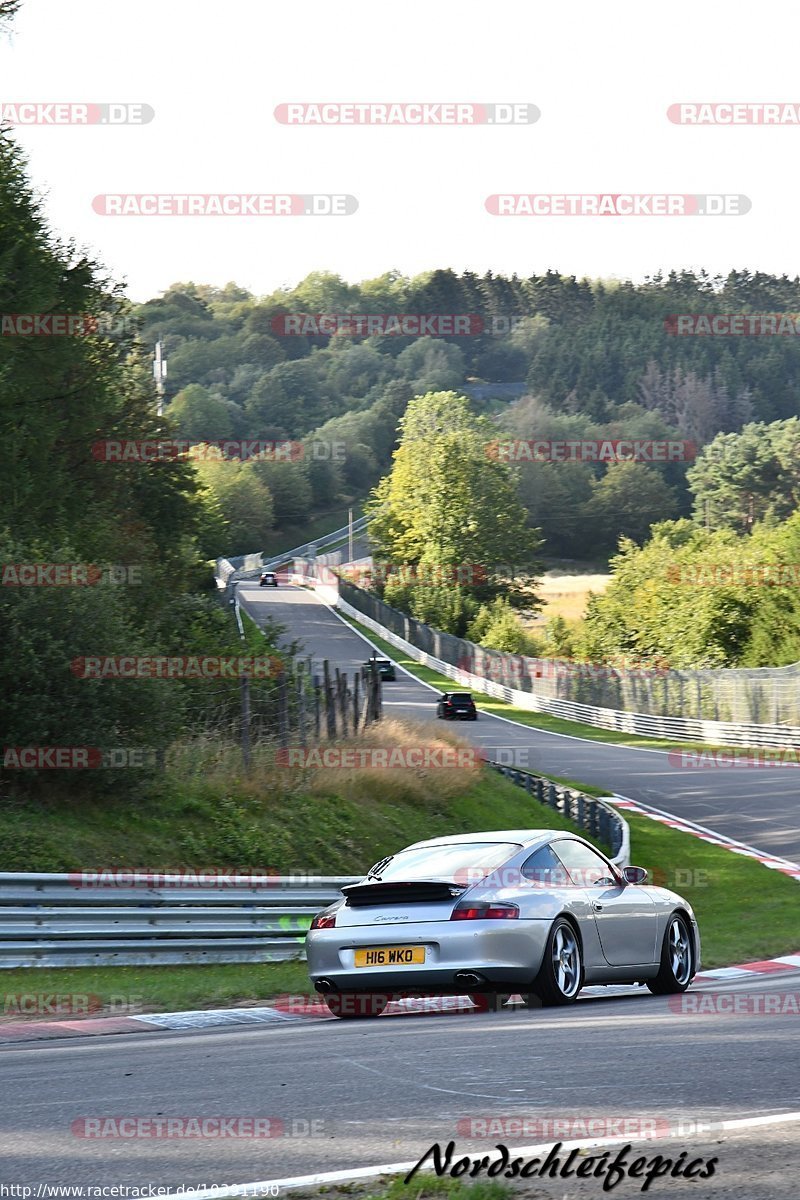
[
  {"x": 349, "y": 535},
  {"x": 159, "y": 374}
]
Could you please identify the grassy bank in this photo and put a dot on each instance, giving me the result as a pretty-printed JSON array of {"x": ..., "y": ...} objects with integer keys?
[{"x": 205, "y": 814}]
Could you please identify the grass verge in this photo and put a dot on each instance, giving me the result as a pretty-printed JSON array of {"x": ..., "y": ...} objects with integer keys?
[{"x": 421, "y": 1187}]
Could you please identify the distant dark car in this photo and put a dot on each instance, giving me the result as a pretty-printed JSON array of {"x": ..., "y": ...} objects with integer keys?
[
  {"x": 385, "y": 667},
  {"x": 456, "y": 706},
  {"x": 268, "y": 579}
]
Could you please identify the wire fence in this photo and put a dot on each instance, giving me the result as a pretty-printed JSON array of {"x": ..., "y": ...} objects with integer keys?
[
  {"x": 762, "y": 695},
  {"x": 301, "y": 705}
]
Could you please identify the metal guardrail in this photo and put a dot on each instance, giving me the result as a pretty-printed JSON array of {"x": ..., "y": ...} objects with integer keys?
[
  {"x": 102, "y": 919},
  {"x": 597, "y": 819}
]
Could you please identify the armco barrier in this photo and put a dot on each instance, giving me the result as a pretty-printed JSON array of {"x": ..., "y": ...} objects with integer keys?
[
  {"x": 62, "y": 920},
  {"x": 597, "y": 819},
  {"x": 684, "y": 729}
]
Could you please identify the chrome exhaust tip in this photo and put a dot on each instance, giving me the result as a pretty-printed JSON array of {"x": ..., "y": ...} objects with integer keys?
[
  {"x": 469, "y": 979},
  {"x": 325, "y": 986}
]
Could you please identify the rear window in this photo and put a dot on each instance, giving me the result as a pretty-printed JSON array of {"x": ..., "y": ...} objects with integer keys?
[
  {"x": 461, "y": 697},
  {"x": 447, "y": 862}
]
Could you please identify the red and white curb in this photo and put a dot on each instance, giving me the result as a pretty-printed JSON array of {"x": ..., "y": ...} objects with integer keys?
[
  {"x": 298, "y": 1008},
  {"x": 767, "y": 966},
  {"x": 772, "y": 861}
]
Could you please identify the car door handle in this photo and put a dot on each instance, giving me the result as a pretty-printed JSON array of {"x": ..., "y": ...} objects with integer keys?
[{"x": 597, "y": 907}]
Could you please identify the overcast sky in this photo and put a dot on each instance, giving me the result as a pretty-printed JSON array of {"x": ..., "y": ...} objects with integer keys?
[{"x": 603, "y": 77}]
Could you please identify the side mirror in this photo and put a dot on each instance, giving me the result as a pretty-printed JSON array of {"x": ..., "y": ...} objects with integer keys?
[{"x": 634, "y": 874}]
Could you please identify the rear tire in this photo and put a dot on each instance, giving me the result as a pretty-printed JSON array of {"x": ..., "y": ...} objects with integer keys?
[
  {"x": 349, "y": 1006},
  {"x": 560, "y": 977},
  {"x": 677, "y": 959}
]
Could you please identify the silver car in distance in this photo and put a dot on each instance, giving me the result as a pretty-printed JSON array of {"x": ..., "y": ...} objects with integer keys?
[{"x": 535, "y": 912}]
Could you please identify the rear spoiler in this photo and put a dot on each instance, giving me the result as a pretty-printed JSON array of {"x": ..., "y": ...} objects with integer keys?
[{"x": 359, "y": 895}]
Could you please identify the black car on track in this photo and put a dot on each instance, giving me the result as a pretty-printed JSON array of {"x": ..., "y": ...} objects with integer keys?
[
  {"x": 456, "y": 706},
  {"x": 385, "y": 667}
]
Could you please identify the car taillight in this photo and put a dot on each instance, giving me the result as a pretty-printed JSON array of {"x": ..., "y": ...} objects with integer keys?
[
  {"x": 324, "y": 920},
  {"x": 468, "y": 910}
]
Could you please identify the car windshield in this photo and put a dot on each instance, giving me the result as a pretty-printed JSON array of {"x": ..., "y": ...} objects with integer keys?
[
  {"x": 445, "y": 862},
  {"x": 461, "y": 697}
]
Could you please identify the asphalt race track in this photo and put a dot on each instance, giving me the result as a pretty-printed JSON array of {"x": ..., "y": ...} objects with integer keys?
[
  {"x": 759, "y": 806},
  {"x": 382, "y": 1091}
]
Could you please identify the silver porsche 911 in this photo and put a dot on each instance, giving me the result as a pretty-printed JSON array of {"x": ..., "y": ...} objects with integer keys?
[{"x": 536, "y": 912}]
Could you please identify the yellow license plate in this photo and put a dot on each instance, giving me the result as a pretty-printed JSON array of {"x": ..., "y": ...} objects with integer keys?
[{"x": 390, "y": 956}]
